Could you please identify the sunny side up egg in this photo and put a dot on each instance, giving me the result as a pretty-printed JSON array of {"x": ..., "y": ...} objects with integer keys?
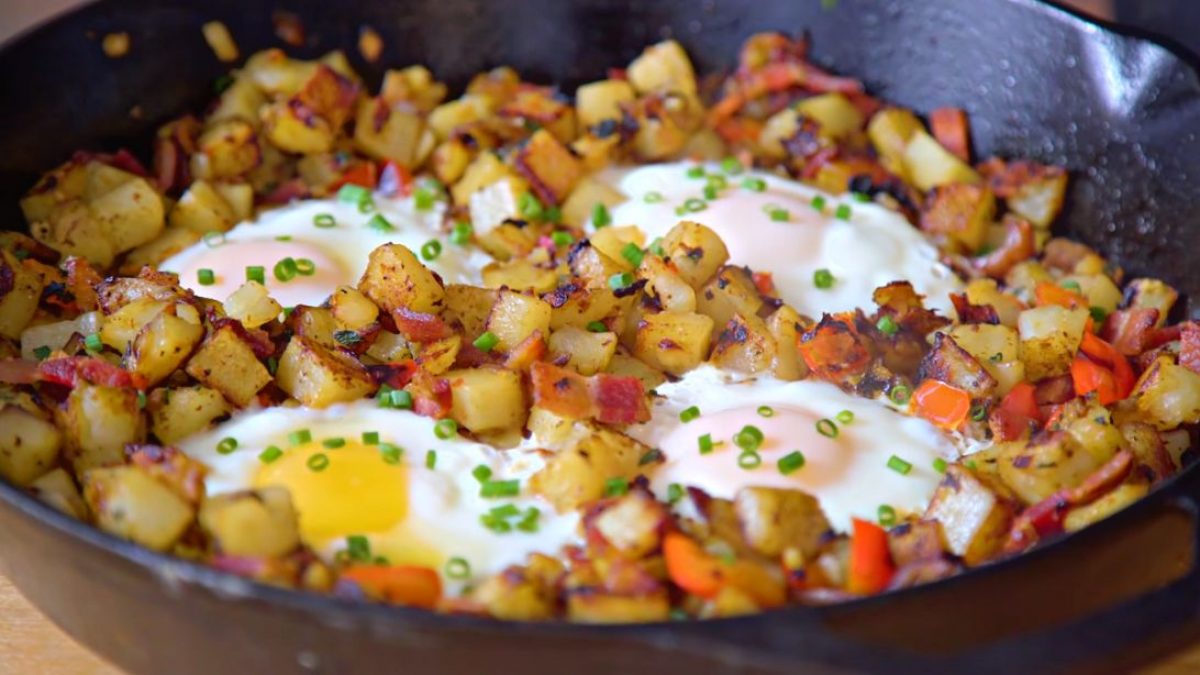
[
  {"x": 869, "y": 247},
  {"x": 853, "y": 454},
  {"x": 334, "y": 235},
  {"x": 361, "y": 470}
]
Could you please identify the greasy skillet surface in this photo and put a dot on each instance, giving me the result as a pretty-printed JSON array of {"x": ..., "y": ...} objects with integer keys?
[{"x": 1121, "y": 113}]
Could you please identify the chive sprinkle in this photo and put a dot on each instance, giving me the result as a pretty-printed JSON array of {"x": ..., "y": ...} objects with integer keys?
[
  {"x": 227, "y": 445},
  {"x": 269, "y": 455},
  {"x": 791, "y": 462},
  {"x": 457, "y": 568},
  {"x": 688, "y": 414},
  {"x": 899, "y": 465},
  {"x": 445, "y": 429},
  {"x": 887, "y": 515},
  {"x": 206, "y": 277},
  {"x": 487, "y": 341},
  {"x": 827, "y": 428}
]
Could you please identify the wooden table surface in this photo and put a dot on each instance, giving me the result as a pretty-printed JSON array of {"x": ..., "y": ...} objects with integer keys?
[{"x": 31, "y": 645}]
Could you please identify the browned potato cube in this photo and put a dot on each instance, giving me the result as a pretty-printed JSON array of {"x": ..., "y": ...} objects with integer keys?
[
  {"x": 696, "y": 251},
  {"x": 97, "y": 422},
  {"x": 974, "y": 518},
  {"x": 20, "y": 292},
  {"x": 319, "y": 377},
  {"x": 178, "y": 413},
  {"x": 132, "y": 505},
  {"x": 585, "y": 351},
  {"x": 775, "y": 519},
  {"x": 673, "y": 343},
  {"x": 487, "y": 398},
  {"x": 578, "y": 474},
  {"x": 515, "y": 317},
  {"x": 550, "y": 168},
  {"x": 255, "y": 523},
  {"x": 29, "y": 445},
  {"x": 226, "y": 363},
  {"x": 395, "y": 279}
]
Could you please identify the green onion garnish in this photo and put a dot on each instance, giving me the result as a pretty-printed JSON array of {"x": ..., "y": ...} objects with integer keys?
[
  {"x": 750, "y": 438},
  {"x": 431, "y": 249},
  {"x": 791, "y": 462},
  {"x": 461, "y": 234},
  {"x": 370, "y": 438},
  {"x": 206, "y": 277},
  {"x": 694, "y": 205},
  {"x": 561, "y": 238},
  {"x": 431, "y": 459},
  {"x": 674, "y": 492},
  {"x": 227, "y": 445},
  {"x": 445, "y": 429},
  {"x": 823, "y": 279},
  {"x": 706, "y": 444},
  {"x": 818, "y": 203},
  {"x": 334, "y": 443},
  {"x": 754, "y": 184},
  {"x": 688, "y": 414},
  {"x": 529, "y": 207},
  {"x": 844, "y": 417},
  {"x": 41, "y": 353},
  {"x": 615, "y": 487},
  {"x": 318, "y": 462},
  {"x": 899, "y": 465},
  {"x": 766, "y": 411},
  {"x": 939, "y": 465},
  {"x": 324, "y": 221},
  {"x": 732, "y": 166},
  {"x": 500, "y": 488},
  {"x": 749, "y": 460},
  {"x": 300, "y": 437},
  {"x": 653, "y": 197},
  {"x": 486, "y": 342},
  {"x": 887, "y": 515},
  {"x": 285, "y": 270},
  {"x": 842, "y": 212},
  {"x": 269, "y": 455},
  {"x": 632, "y": 253},
  {"x": 827, "y": 428},
  {"x": 256, "y": 273},
  {"x": 390, "y": 453},
  {"x": 482, "y": 472},
  {"x": 457, "y": 568},
  {"x": 887, "y": 325},
  {"x": 597, "y": 327},
  {"x": 380, "y": 224},
  {"x": 600, "y": 216},
  {"x": 92, "y": 343},
  {"x": 900, "y": 394},
  {"x": 620, "y": 280}
]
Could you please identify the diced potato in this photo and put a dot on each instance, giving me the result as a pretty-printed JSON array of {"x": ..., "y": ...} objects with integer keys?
[
  {"x": 836, "y": 115},
  {"x": 731, "y": 292},
  {"x": 986, "y": 292},
  {"x": 1152, "y": 293},
  {"x": 775, "y": 519},
  {"x": 1120, "y": 497},
  {"x": 227, "y": 149},
  {"x": 178, "y": 413},
  {"x": 318, "y": 377},
  {"x": 97, "y": 422},
  {"x": 58, "y": 490},
  {"x": 29, "y": 445},
  {"x": 253, "y": 305},
  {"x": 447, "y": 117},
  {"x": 633, "y": 525},
  {"x": 960, "y": 214},
  {"x": 256, "y": 523},
  {"x": 1167, "y": 395},
  {"x": 578, "y": 474},
  {"x": 744, "y": 345},
  {"x": 395, "y": 278},
  {"x": 515, "y": 317},
  {"x": 130, "y": 504},
  {"x": 487, "y": 399},
  {"x": 226, "y": 363},
  {"x": 1050, "y": 336},
  {"x": 202, "y": 209},
  {"x": 585, "y": 351},
  {"x": 1099, "y": 290},
  {"x": 352, "y": 309},
  {"x": 996, "y": 348},
  {"x": 550, "y": 168},
  {"x": 622, "y": 364},
  {"x": 663, "y": 67},
  {"x": 20, "y": 292},
  {"x": 974, "y": 518},
  {"x": 929, "y": 165},
  {"x": 696, "y": 251},
  {"x": 162, "y": 346},
  {"x": 674, "y": 343},
  {"x": 785, "y": 326},
  {"x": 599, "y": 101}
]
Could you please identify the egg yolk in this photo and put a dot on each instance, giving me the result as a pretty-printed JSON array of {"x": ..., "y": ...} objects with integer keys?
[
  {"x": 355, "y": 492},
  {"x": 228, "y": 263}
]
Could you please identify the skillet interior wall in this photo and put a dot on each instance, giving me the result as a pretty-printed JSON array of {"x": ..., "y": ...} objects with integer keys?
[{"x": 1123, "y": 115}]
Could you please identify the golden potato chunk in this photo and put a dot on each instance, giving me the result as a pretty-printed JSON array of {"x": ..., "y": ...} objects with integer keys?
[{"x": 319, "y": 377}]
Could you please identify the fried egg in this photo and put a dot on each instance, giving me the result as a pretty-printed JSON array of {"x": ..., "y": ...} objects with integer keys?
[
  {"x": 863, "y": 245},
  {"x": 334, "y": 235},
  {"x": 853, "y": 454},
  {"x": 360, "y": 470}
]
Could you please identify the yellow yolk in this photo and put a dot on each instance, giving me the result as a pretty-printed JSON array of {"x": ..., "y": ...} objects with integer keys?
[
  {"x": 356, "y": 493},
  {"x": 229, "y": 262}
]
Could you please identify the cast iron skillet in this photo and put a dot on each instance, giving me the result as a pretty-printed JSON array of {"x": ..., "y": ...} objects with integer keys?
[{"x": 1121, "y": 112}]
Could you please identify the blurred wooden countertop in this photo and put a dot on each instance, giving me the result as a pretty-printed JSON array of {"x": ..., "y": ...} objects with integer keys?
[{"x": 31, "y": 645}]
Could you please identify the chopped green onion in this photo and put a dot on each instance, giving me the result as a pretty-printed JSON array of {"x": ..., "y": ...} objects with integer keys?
[
  {"x": 424, "y": 198},
  {"x": 620, "y": 280},
  {"x": 445, "y": 429},
  {"x": 334, "y": 443},
  {"x": 939, "y": 465},
  {"x": 256, "y": 273},
  {"x": 615, "y": 487},
  {"x": 597, "y": 327},
  {"x": 842, "y": 212},
  {"x": 318, "y": 462},
  {"x": 431, "y": 249},
  {"x": 41, "y": 353},
  {"x": 370, "y": 438},
  {"x": 732, "y": 166},
  {"x": 695, "y": 172},
  {"x": 780, "y": 215},
  {"x": 561, "y": 238},
  {"x": 694, "y": 205},
  {"x": 354, "y": 194},
  {"x": 887, "y": 325},
  {"x": 749, "y": 460},
  {"x": 766, "y": 411},
  {"x": 754, "y": 184},
  {"x": 818, "y": 203},
  {"x": 380, "y": 224},
  {"x": 651, "y": 456},
  {"x": 823, "y": 279},
  {"x": 632, "y": 253},
  {"x": 461, "y": 234},
  {"x": 482, "y": 472},
  {"x": 227, "y": 445},
  {"x": 899, "y": 465},
  {"x": 431, "y": 459},
  {"x": 300, "y": 437},
  {"x": 305, "y": 267},
  {"x": 285, "y": 270},
  {"x": 791, "y": 462},
  {"x": 390, "y": 453},
  {"x": 827, "y": 428},
  {"x": 214, "y": 239},
  {"x": 324, "y": 221},
  {"x": 887, "y": 515},
  {"x": 706, "y": 444},
  {"x": 688, "y": 414},
  {"x": 600, "y": 216},
  {"x": 750, "y": 438},
  {"x": 674, "y": 492},
  {"x": 486, "y": 342},
  {"x": 269, "y": 455},
  {"x": 457, "y": 568},
  {"x": 206, "y": 277},
  {"x": 500, "y": 488},
  {"x": 529, "y": 207},
  {"x": 1099, "y": 314},
  {"x": 92, "y": 343},
  {"x": 844, "y": 417}
]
